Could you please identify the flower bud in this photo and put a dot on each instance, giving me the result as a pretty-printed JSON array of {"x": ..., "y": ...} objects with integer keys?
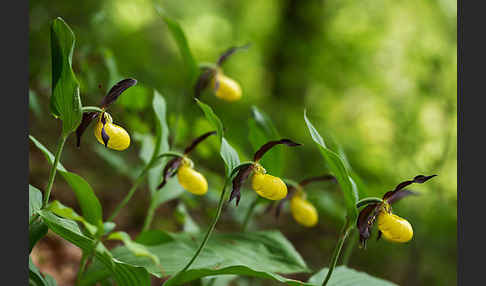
[
  {"x": 268, "y": 186},
  {"x": 228, "y": 89},
  {"x": 118, "y": 138},
  {"x": 192, "y": 180},
  {"x": 394, "y": 228},
  {"x": 303, "y": 211}
]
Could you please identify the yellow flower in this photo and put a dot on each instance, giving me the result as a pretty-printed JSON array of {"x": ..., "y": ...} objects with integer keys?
[
  {"x": 116, "y": 137},
  {"x": 227, "y": 89},
  {"x": 393, "y": 227},
  {"x": 190, "y": 179},
  {"x": 268, "y": 186},
  {"x": 303, "y": 211}
]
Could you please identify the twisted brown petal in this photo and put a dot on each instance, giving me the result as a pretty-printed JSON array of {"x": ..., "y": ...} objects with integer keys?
[
  {"x": 418, "y": 179},
  {"x": 238, "y": 181},
  {"x": 116, "y": 90},
  {"x": 170, "y": 170},
  {"x": 224, "y": 56},
  {"x": 203, "y": 81},
  {"x": 269, "y": 145},
  {"x": 87, "y": 118},
  {"x": 196, "y": 141},
  {"x": 317, "y": 179},
  {"x": 365, "y": 222}
]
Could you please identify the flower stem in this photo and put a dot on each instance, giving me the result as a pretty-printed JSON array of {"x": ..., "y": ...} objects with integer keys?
[
  {"x": 53, "y": 171},
  {"x": 249, "y": 214},
  {"x": 150, "y": 215},
  {"x": 206, "y": 237},
  {"x": 335, "y": 256},
  {"x": 130, "y": 193},
  {"x": 349, "y": 248},
  {"x": 82, "y": 267}
]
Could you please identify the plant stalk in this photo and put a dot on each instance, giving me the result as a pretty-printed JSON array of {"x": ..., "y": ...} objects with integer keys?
[
  {"x": 150, "y": 215},
  {"x": 52, "y": 173},
  {"x": 335, "y": 256},
  {"x": 349, "y": 248},
  {"x": 130, "y": 193},
  {"x": 82, "y": 267},
  {"x": 249, "y": 213},
  {"x": 206, "y": 237}
]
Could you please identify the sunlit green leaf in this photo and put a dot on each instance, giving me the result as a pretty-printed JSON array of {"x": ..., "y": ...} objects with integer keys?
[
  {"x": 65, "y": 99},
  {"x": 338, "y": 169},
  {"x": 66, "y": 212},
  {"x": 35, "y": 200},
  {"x": 136, "y": 248}
]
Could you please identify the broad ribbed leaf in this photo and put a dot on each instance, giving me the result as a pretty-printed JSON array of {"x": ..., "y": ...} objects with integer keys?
[
  {"x": 261, "y": 130},
  {"x": 343, "y": 276},
  {"x": 35, "y": 200},
  {"x": 181, "y": 41},
  {"x": 136, "y": 248},
  {"x": 37, "y": 230},
  {"x": 227, "y": 153},
  {"x": 67, "y": 212},
  {"x": 258, "y": 254},
  {"x": 89, "y": 203},
  {"x": 338, "y": 169},
  {"x": 124, "y": 274},
  {"x": 65, "y": 100}
]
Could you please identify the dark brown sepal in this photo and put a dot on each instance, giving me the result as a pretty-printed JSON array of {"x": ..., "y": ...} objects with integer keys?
[
  {"x": 196, "y": 141},
  {"x": 400, "y": 195},
  {"x": 317, "y": 179},
  {"x": 170, "y": 170},
  {"x": 269, "y": 145},
  {"x": 238, "y": 181},
  {"x": 116, "y": 90},
  {"x": 418, "y": 179},
  {"x": 365, "y": 222},
  {"x": 203, "y": 81},
  {"x": 87, "y": 118},
  {"x": 224, "y": 56}
]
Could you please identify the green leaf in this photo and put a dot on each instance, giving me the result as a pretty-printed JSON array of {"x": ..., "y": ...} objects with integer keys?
[
  {"x": 181, "y": 41},
  {"x": 339, "y": 170},
  {"x": 261, "y": 130},
  {"x": 154, "y": 175},
  {"x": 343, "y": 276},
  {"x": 89, "y": 203},
  {"x": 228, "y": 153},
  {"x": 34, "y": 104},
  {"x": 65, "y": 100},
  {"x": 124, "y": 274},
  {"x": 36, "y": 278},
  {"x": 66, "y": 212},
  {"x": 37, "y": 230},
  {"x": 35, "y": 200},
  {"x": 258, "y": 254},
  {"x": 136, "y": 248}
]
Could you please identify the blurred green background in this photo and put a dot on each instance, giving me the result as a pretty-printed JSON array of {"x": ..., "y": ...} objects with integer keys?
[{"x": 378, "y": 79}]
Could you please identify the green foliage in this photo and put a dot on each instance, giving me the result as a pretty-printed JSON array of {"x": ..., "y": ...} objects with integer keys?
[
  {"x": 338, "y": 169},
  {"x": 344, "y": 276},
  {"x": 65, "y": 99},
  {"x": 89, "y": 203},
  {"x": 35, "y": 200},
  {"x": 258, "y": 254}
]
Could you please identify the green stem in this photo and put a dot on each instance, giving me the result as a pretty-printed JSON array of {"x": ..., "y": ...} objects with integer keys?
[
  {"x": 349, "y": 248},
  {"x": 249, "y": 214},
  {"x": 335, "y": 256},
  {"x": 53, "y": 171},
  {"x": 130, "y": 193},
  {"x": 206, "y": 237},
  {"x": 82, "y": 267},
  {"x": 150, "y": 215}
]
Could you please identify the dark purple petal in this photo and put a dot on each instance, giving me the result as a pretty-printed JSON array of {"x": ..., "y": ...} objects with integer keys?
[
  {"x": 87, "y": 118},
  {"x": 365, "y": 222},
  {"x": 238, "y": 181},
  {"x": 269, "y": 145},
  {"x": 224, "y": 56},
  {"x": 116, "y": 90},
  {"x": 196, "y": 141},
  {"x": 170, "y": 170},
  {"x": 203, "y": 81},
  {"x": 317, "y": 179},
  {"x": 418, "y": 179},
  {"x": 400, "y": 195}
]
